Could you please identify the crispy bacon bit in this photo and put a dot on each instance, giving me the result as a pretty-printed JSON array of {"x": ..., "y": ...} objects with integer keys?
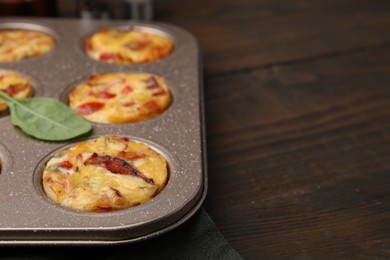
[
  {"x": 89, "y": 108},
  {"x": 66, "y": 164},
  {"x": 126, "y": 90},
  {"x": 152, "y": 106},
  {"x": 151, "y": 83},
  {"x": 108, "y": 56},
  {"x": 2, "y": 77},
  {"x": 116, "y": 165},
  {"x": 130, "y": 155}
]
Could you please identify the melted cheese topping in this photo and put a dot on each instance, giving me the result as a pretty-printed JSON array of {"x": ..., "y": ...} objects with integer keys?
[
  {"x": 69, "y": 180},
  {"x": 21, "y": 44},
  {"x": 121, "y": 47},
  {"x": 15, "y": 85},
  {"x": 118, "y": 98}
]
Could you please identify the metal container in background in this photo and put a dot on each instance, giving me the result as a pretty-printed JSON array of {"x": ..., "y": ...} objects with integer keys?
[{"x": 140, "y": 9}]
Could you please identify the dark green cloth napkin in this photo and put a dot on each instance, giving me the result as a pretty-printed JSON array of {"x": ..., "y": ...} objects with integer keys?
[{"x": 198, "y": 238}]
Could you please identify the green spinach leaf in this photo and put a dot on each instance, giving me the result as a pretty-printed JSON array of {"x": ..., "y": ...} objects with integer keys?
[{"x": 45, "y": 118}]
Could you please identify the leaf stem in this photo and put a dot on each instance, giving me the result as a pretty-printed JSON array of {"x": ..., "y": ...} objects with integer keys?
[{"x": 5, "y": 97}]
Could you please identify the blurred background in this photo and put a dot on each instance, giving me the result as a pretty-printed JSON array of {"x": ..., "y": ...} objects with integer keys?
[{"x": 93, "y": 9}]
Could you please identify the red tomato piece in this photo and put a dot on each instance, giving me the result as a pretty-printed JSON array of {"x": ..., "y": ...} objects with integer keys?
[
  {"x": 106, "y": 95},
  {"x": 107, "y": 56},
  {"x": 152, "y": 106},
  {"x": 79, "y": 156},
  {"x": 66, "y": 164},
  {"x": 126, "y": 90},
  {"x": 89, "y": 108}
]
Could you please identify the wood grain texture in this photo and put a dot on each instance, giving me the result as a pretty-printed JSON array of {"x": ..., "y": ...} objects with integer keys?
[
  {"x": 239, "y": 35},
  {"x": 298, "y": 124},
  {"x": 299, "y": 158}
]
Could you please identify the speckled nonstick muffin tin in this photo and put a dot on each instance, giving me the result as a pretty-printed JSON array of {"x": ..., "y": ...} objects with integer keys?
[{"x": 28, "y": 217}]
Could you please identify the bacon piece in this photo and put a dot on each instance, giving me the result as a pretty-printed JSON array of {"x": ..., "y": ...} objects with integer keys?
[
  {"x": 89, "y": 108},
  {"x": 116, "y": 165}
]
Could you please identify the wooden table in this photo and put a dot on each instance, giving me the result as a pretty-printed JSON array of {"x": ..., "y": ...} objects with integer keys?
[{"x": 297, "y": 99}]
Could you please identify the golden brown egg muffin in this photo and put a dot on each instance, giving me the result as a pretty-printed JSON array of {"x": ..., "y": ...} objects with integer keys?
[
  {"x": 15, "y": 85},
  {"x": 117, "y": 98},
  {"x": 127, "y": 47},
  {"x": 17, "y": 44},
  {"x": 104, "y": 174}
]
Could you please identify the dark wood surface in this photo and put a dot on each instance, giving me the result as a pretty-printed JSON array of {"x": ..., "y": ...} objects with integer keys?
[{"x": 297, "y": 97}]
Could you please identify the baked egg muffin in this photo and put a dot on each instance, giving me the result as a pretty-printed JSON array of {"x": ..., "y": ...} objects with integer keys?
[
  {"x": 18, "y": 44},
  {"x": 104, "y": 174},
  {"x": 117, "y": 98},
  {"x": 127, "y": 46},
  {"x": 14, "y": 84}
]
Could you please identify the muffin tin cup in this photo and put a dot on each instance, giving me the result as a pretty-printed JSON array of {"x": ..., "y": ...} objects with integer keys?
[{"x": 29, "y": 218}]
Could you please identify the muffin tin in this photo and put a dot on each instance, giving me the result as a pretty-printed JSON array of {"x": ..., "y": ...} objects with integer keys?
[{"x": 28, "y": 217}]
